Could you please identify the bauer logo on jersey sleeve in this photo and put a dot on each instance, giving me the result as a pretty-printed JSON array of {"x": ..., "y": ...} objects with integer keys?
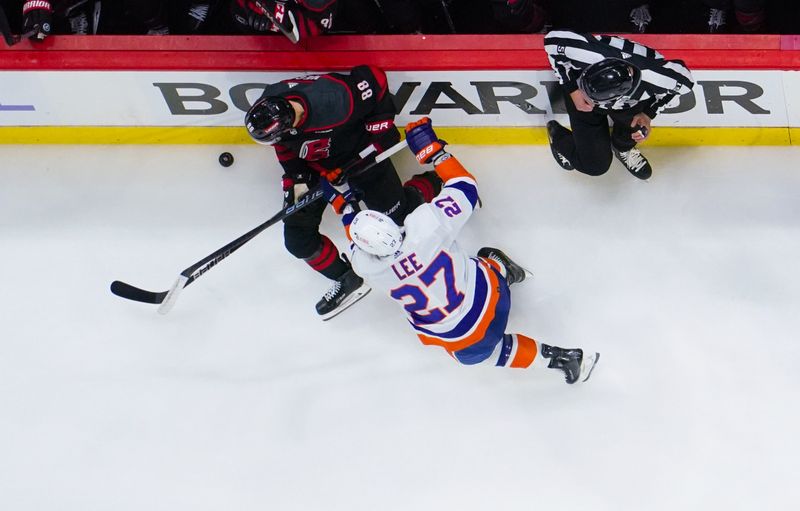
[{"x": 379, "y": 126}]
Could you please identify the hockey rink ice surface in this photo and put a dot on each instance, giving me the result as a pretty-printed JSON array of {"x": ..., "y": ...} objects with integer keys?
[{"x": 242, "y": 399}]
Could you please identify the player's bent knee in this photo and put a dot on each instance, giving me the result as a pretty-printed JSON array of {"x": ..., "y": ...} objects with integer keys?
[
  {"x": 300, "y": 243},
  {"x": 477, "y": 353}
]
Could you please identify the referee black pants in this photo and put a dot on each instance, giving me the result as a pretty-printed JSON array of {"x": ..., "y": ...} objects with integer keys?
[{"x": 589, "y": 146}]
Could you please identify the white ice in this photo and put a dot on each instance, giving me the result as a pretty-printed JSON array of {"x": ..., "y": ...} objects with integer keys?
[{"x": 242, "y": 399}]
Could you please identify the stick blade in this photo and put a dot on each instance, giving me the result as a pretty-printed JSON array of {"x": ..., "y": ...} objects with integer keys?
[
  {"x": 136, "y": 294},
  {"x": 172, "y": 294}
]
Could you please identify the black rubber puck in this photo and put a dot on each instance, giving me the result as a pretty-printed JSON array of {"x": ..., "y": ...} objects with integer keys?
[{"x": 226, "y": 159}]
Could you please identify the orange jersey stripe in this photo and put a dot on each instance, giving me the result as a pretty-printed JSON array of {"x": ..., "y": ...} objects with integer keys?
[{"x": 494, "y": 264}]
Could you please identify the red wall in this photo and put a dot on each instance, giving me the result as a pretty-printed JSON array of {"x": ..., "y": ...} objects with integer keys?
[{"x": 412, "y": 52}]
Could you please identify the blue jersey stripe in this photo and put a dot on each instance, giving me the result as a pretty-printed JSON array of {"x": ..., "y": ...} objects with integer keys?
[
  {"x": 468, "y": 189},
  {"x": 474, "y": 314},
  {"x": 482, "y": 349}
]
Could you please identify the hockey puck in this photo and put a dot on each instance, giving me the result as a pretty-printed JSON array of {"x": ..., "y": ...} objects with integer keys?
[{"x": 226, "y": 159}]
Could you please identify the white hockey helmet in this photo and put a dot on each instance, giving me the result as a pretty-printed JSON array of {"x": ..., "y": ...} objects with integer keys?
[{"x": 375, "y": 233}]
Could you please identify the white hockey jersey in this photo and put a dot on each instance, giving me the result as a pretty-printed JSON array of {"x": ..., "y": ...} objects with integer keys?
[{"x": 449, "y": 297}]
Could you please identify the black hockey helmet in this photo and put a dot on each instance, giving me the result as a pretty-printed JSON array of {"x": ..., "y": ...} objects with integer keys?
[
  {"x": 270, "y": 119},
  {"x": 609, "y": 79}
]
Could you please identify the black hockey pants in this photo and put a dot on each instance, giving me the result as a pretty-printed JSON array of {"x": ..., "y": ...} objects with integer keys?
[
  {"x": 589, "y": 146},
  {"x": 380, "y": 189}
]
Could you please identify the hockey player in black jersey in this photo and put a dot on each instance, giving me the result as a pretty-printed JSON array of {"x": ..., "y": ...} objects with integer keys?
[
  {"x": 606, "y": 76},
  {"x": 317, "y": 125}
]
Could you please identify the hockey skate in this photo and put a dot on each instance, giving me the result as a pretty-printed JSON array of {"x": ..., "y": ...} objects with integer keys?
[
  {"x": 554, "y": 132},
  {"x": 345, "y": 291},
  {"x": 635, "y": 162},
  {"x": 514, "y": 272},
  {"x": 576, "y": 364}
]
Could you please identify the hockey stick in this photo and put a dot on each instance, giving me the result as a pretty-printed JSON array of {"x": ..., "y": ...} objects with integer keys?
[
  {"x": 294, "y": 35},
  {"x": 386, "y": 18},
  {"x": 167, "y": 299},
  {"x": 448, "y": 17}
]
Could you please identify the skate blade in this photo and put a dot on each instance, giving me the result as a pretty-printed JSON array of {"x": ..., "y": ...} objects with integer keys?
[
  {"x": 353, "y": 298},
  {"x": 587, "y": 366}
]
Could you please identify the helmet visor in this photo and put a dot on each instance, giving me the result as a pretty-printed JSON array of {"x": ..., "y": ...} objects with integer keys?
[
  {"x": 269, "y": 135},
  {"x": 608, "y": 80},
  {"x": 269, "y": 120}
]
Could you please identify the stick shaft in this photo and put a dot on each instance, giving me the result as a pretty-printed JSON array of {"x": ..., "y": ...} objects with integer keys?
[{"x": 199, "y": 268}]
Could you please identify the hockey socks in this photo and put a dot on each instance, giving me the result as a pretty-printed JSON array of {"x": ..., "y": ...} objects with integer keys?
[
  {"x": 519, "y": 351},
  {"x": 327, "y": 261}
]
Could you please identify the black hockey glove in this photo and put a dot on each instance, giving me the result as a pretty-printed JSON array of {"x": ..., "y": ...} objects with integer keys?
[
  {"x": 286, "y": 19},
  {"x": 37, "y": 19},
  {"x": 267, "y": 16},
  {"x": 252, "y": 14},
  {"x": 294, "y": 187}
]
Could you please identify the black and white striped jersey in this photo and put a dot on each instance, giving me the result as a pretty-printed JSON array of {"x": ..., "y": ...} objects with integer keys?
[{"x": 662, "y": 80}]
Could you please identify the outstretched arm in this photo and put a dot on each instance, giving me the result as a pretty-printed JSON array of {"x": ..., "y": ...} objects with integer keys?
[{"x": 459, "y": 196}]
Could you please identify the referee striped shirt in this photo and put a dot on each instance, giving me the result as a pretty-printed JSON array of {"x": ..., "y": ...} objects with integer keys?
[{"x": 662, "y": 80}]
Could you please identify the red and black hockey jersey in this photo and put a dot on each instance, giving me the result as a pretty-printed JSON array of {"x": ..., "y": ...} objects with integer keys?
[{"x": 343, "y": 114}]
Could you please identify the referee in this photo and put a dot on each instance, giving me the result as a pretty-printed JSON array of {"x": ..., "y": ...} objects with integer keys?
[{"x": 606, "y": 77}]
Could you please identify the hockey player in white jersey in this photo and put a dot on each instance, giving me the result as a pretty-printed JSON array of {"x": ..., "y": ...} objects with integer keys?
[{"x": 452, "y": 300}]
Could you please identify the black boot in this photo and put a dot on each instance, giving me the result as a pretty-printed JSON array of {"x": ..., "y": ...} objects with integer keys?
[
  {"x": 345, "y": 291},
  {"x": 576, "y": 365},
  {"x": 635, "y": 162},
  {"x": 514, "y": 272},
  {"x": 556, "y": 131}
]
